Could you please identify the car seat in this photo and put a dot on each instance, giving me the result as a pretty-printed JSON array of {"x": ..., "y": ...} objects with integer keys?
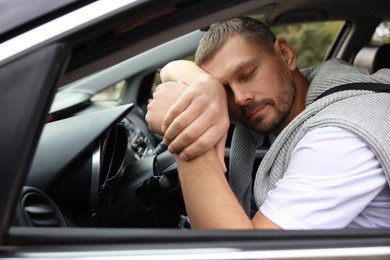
[{"x": 373, "y": 58}]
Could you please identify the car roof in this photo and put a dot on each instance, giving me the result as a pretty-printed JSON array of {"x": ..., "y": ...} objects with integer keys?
[
  {"x": 16, "y": 16},
  {"x": 314, "y": 10}
]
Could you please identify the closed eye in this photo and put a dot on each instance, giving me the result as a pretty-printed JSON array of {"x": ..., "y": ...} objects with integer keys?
[{"x": 245, "y": 76}]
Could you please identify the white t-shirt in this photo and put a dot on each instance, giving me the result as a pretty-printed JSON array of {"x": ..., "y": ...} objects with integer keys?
[{"x": 333, "y": 181}]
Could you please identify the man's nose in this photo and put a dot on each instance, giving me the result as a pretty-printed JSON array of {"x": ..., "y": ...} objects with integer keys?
[{"x": 242, "y": 96}]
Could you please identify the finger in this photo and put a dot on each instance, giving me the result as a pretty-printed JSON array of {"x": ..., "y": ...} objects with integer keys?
[
  {"x": 179, "y": 106},
  {"x": 162, "y": 85},
  {"x": 192, "y": 130},
  {"x": 182, "y": 122},
  {"x": 150, "y": 118},
  {"x": 165, "y": 95},
  {"x": 207, "y": 111},
  {"x": 201, "y": 145},
  {"x": 157, "y": 108},
  {"x": 186, "y": 137}
]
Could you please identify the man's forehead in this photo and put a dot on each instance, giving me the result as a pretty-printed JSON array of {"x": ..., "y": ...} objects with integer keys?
[
  {"x": 225, "y": 73},
  {"x": 232, "y": 64},
  {"x": 236, "y": 54}
]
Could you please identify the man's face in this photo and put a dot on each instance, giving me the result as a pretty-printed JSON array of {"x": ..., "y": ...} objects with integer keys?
[{"x": 259, "y": 86}]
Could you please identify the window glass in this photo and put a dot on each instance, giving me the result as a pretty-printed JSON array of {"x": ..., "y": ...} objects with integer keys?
[
  {"x": 382, "y": 34},
  {"x": 310, "y": 41},
  {"x": 112, "y": 93}
]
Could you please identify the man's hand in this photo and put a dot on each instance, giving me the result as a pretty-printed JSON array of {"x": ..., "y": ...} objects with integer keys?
[
  {"x": 198, "y": 120},
  {"x": 192, "y": 119},
  {"x": 164, "y": 97}
]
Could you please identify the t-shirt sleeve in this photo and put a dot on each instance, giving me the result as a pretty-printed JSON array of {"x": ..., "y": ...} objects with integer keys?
[{"x": 332, "y": 176}]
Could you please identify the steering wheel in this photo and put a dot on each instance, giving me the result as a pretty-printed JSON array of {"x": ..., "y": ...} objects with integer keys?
[{"x": 148, "y": 194}]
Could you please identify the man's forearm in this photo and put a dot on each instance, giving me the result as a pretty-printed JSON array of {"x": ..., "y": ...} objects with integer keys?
[
  {"x": 183, "y": 70},
  {"x": 209, "y": 200}
]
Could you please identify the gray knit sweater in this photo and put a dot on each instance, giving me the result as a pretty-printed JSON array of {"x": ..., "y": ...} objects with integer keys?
[{"x": 362, "y": 112}]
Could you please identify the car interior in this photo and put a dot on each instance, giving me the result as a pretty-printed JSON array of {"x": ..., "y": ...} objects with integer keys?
[{"x": 373, "y": 58}]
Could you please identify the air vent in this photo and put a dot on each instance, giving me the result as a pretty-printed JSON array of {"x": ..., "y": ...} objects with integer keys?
[{"x": 36, "y": 209}]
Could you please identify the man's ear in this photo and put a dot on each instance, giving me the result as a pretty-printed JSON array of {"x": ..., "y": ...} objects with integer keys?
[{"x": 286, "y": 52}]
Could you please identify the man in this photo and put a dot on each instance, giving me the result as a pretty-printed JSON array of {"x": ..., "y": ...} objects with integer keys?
[{"x": 325, "y": 169}]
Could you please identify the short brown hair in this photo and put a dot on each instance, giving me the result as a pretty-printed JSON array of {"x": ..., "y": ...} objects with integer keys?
[{"x": 252, "y": 29}]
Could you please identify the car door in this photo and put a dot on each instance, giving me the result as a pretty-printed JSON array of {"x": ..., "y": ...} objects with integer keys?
[{"x": 29, "y": 79}]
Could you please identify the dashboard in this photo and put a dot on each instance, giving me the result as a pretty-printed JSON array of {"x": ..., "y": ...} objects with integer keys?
[{"x": 99, "y": 169}]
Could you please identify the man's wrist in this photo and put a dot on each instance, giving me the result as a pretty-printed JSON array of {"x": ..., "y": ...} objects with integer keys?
[
  {"x": 209, "y": 158},
  {"x": 206, "y": 79}
]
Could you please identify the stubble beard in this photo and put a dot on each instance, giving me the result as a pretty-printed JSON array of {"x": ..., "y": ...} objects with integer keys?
[{"x": 263, "y": 124}]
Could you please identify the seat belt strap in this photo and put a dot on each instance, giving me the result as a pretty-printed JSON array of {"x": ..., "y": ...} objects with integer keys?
[{"x": 378, "y": 87}]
